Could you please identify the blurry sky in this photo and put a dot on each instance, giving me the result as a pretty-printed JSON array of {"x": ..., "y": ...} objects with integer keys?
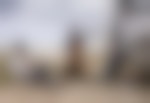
[{"x": 45, "y": 23}]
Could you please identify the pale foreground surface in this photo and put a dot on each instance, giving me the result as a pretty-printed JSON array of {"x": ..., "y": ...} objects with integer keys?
[{"x": 74, "y": 92}]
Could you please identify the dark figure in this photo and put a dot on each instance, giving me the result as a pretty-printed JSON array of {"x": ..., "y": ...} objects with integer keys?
[
  {"x": 118, "y": 57},
  {"x": 75, "y": 67}
]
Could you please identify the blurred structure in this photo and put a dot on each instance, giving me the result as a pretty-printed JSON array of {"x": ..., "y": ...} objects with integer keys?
[
  {"x": 26, "y": 68},
  {"x": 131, "y": 43}
]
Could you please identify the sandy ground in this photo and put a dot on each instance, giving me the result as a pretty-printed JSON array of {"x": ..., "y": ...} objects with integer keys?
[{"x": 73, "y": 92}]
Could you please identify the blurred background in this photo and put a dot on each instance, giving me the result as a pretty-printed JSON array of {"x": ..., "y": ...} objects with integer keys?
[{"x": 74, "y": 51}]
